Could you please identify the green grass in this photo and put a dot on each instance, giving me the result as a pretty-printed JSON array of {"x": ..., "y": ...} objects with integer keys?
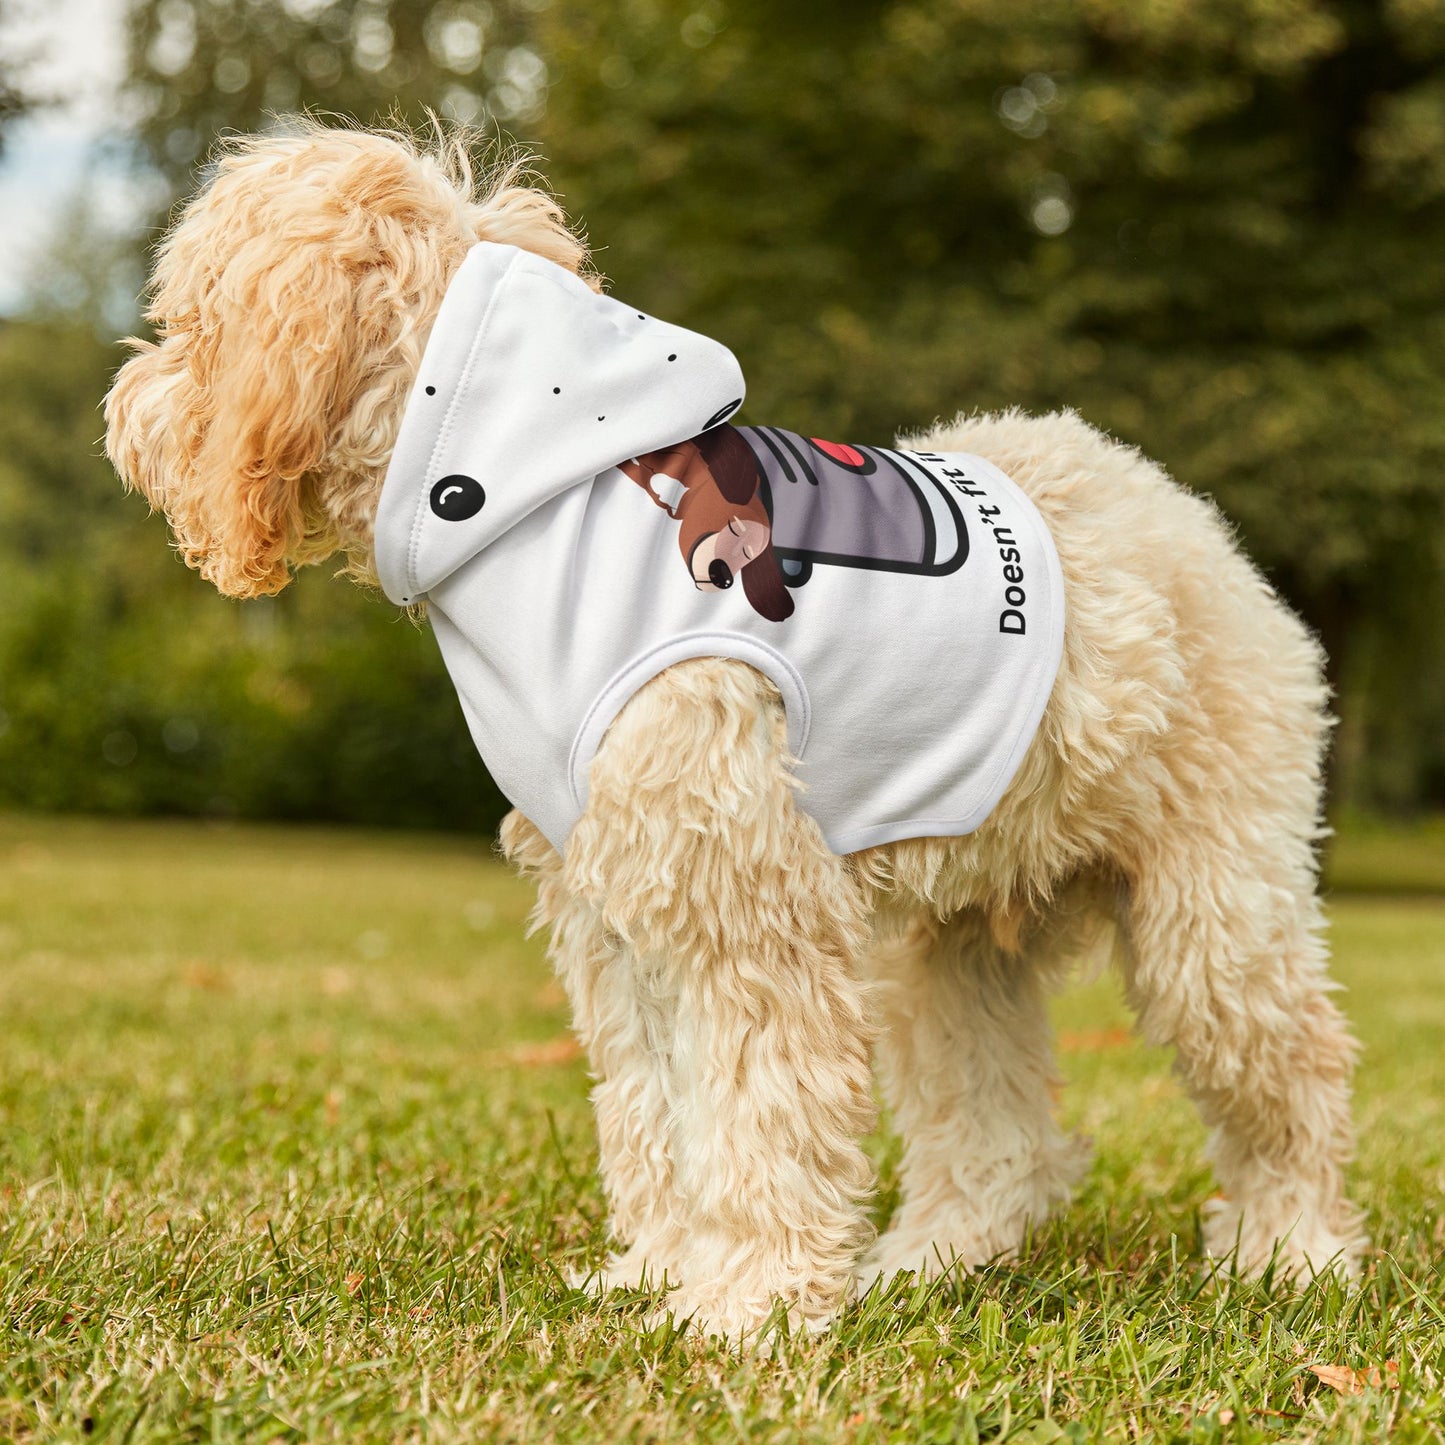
[
  {"x": 1373, "y": 856},
  {"x": 284, "y": 1155}
]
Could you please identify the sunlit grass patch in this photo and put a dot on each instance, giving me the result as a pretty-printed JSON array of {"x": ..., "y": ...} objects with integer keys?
[{"x": 292, "y": 1145}]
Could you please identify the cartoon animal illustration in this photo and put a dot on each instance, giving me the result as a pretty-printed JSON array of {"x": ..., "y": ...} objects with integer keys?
[{"x": 768, "y": 505}]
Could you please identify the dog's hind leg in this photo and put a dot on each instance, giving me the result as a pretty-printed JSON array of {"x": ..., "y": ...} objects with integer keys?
[
  {"x": 1225, "y": 961},
  {"x": 966, "y": 1060},
  {"x": 693, "y": 853},
  {"x": 1224, "y": 950}
]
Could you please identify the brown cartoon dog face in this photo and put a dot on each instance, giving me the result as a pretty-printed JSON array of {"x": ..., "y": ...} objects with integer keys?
[{"x": 710, "y": 485}]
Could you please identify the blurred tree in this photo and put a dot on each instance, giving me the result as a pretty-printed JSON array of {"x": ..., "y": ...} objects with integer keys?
[
  {"x": 127, "y": 685},
  {"x": 1216, "y": 227},
  {"x": 202, "y": 67},
  {"x": 15, "y": 98}
]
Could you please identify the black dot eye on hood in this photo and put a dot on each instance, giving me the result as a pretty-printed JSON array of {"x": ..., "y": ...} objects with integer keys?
[{"x": 457, "y": 497}]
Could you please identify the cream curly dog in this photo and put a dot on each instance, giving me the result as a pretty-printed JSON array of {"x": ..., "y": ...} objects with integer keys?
[{"x": 732, "y": 978}]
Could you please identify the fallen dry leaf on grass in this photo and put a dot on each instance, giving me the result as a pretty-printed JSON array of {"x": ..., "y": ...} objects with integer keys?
[
  {"x": 1346, "y": 1381},
  {"x": 202, "y": 975}
]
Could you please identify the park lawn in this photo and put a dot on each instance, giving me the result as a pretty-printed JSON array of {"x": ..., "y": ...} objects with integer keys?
[
  {"x": 1373, "y": 855},
  {"x": 293, "y": 1146}
]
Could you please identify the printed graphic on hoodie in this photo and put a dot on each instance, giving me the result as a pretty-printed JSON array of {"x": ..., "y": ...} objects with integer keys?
[{"x": 767, "y": 506}]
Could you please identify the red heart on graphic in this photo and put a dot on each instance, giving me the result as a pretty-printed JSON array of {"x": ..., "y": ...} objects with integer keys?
[{"x": 839, "y": 451}]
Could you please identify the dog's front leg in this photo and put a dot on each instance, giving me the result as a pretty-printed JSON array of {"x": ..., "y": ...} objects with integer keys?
[
  {"x": 622, "y": 1012},
  {"x": 740, "y": 931}
]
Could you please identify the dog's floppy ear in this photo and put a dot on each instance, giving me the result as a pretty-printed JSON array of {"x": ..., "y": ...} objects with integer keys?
[
  {"x": 220, "y": 422},
  {"x": 731, "y": 462},
  {"x": 764, "y": 587},
  {"x": 144, "y": 419},
  {"x": 270, "y": 361}
]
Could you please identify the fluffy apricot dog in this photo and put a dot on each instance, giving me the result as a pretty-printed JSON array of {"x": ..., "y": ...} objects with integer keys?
[{"x": 726, "y": 806}]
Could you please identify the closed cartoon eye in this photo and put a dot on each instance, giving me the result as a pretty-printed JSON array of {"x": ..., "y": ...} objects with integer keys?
[
  {"x": 741, "y": 532},
  {"x": 720, "y": 556}
]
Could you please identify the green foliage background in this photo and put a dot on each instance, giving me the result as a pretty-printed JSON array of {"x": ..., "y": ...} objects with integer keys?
[{"x": 1215, "y": 228}]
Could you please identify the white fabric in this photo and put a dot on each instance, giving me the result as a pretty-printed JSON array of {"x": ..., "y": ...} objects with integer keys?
[{"x": 564, "y": 591}]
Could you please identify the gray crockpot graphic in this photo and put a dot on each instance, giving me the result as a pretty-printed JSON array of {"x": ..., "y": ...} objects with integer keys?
[{"x": 854, "y": 506}]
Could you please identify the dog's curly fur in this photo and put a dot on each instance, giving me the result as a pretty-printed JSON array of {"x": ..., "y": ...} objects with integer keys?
[{"x": 729, "y": 976}]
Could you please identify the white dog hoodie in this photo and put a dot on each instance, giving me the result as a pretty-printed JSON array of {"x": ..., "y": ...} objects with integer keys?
[{"x": 569, "y": 498}]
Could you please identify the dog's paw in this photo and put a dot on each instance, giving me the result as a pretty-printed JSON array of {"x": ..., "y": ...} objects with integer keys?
[
  {"x": 955, "y": 1242},
  {"x": 753, "y": 1324},
  {"x": 1298, "y": 1245},
  {"x": 967, "y": 1227},
  {"x": 632, "y": 1270},
  {"x": 906, "y": 1253}
]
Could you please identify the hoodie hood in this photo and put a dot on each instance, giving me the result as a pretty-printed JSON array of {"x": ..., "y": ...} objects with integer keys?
[{"x": 530, "y": 384}]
